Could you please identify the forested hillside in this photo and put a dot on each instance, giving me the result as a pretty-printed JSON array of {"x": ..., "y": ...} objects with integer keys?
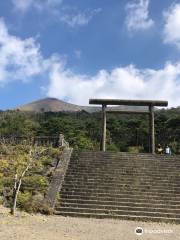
[{"x": 83, "y": 130}]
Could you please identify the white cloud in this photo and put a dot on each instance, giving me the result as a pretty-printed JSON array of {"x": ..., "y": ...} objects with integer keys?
[
  {"x": 22, "y": 60},
  {"x": 79, "y": 18},
  {"x": 172, "y": 25},
  {"x": 69, "y": 15},
  {"x": 138, "y": 15},
  {"x": 24, "y": 5},
  {"x": 19, "y": 59},
  {"x": 122, "y": 82}
]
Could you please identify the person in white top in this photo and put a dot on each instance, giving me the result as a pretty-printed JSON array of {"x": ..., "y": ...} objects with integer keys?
[{"x": 168, "y": 150}]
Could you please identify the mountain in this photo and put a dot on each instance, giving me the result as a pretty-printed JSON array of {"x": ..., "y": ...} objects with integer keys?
[{"x": 54, "y": 105}]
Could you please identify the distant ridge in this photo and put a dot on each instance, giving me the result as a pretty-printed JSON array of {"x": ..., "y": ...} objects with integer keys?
[{"x": 54, "y": 105}]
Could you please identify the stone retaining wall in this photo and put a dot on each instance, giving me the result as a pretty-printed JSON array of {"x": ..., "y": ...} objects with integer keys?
[{"x": 58, "y": 177}]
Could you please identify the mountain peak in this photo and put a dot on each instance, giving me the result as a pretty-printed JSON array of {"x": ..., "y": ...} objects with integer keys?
[{"x": 50, "y": 104}]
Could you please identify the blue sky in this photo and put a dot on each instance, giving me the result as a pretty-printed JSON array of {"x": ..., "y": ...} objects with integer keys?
[{"x": 76, "y": 50}]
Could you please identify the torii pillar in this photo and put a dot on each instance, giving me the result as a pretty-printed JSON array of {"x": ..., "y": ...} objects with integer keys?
[
  {"x": 103, "y": 139},
  {"x": 151, "y": 129}
]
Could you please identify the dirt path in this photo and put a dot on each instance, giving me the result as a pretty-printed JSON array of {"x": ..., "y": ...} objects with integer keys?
[{"x": 38, "y": 227}]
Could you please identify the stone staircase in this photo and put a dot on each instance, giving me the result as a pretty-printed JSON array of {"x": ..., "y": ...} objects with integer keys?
[{"x": 121, "y": 185}]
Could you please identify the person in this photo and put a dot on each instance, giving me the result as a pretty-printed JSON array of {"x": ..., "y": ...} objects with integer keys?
[
  {"x": 159, "y": 149},
  {"x": 168, "y": 150}
]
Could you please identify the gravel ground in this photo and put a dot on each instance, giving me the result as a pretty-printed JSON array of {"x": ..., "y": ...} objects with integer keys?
[{"x": 37, "y": 227}]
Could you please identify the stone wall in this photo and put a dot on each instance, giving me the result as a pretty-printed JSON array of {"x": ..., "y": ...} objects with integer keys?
[{"x": 58, "y": 176}]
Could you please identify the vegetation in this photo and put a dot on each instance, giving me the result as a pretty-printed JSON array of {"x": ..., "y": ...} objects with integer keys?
[
  {"x": 83, "y": 130},
  {"x": 25, "y": 171}
]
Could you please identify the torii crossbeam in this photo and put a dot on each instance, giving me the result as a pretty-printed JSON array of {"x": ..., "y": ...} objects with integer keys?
[{"x": 146, "y": 103}]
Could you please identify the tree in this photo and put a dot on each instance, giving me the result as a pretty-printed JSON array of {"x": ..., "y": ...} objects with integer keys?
[
  {"x": 173, "y": 130},
  {"x": 16, "y": 162}
]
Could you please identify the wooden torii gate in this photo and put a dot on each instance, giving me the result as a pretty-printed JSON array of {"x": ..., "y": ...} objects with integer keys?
[{"x": 146, "y": 103}]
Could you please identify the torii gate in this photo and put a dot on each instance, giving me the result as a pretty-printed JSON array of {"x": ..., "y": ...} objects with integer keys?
[{"x": 148, "y": 103}]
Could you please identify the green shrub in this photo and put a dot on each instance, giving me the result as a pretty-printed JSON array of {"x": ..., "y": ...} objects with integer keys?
[
  {"x": 135, "y": 149},
  {"x": 6, "y": 181},
  {"x": 83, "y": 142},
  {"x": 33, "y": 204},
  {"x": 37, "y": 206},
  {"x": 35, "y": 182},
  {"x": 174, "y": 146},
  {"x": 1, "y": 200},
  {"x": 112, "y": 148},
  {"x": 23, "y": 198}
]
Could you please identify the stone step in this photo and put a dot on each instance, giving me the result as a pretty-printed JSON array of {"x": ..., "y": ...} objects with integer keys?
[
  {"x": 121, "y": 198},
  {"x": 100, "y": 153},
  {"x": 127, "y": 158},
  {"x": 124, "y": 173},
  {"x": 124, "y": 166},
  {"x": 133, "y": 188},
  {"x": 121, "y": 165},
  {"x": 124, "y": 170},
  {"x": 161, "y": 185},
  {"x": 124, "y": 161},
  {"x": 116, "y": 173},
  {"x": 119, "y": 178},
  {"x": 140, "y": 208},
  {"x": 135, "y": 212},
  {"x": 122, "y": 217},
  {"x": 125, "y": 192},
  {"x": 122, "y": 154},
  {"x": 120, "y": 193},
  {"x": 159, "y": 204},
  {"x": 95, "y": 152},
  {"x": 119, "y": 159},
  {"x": 133, "y": 172},
  {"x": 126, "y": 184},
  {"x": 123, "y": 179},
  {"x": 122, "y": 187}
]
